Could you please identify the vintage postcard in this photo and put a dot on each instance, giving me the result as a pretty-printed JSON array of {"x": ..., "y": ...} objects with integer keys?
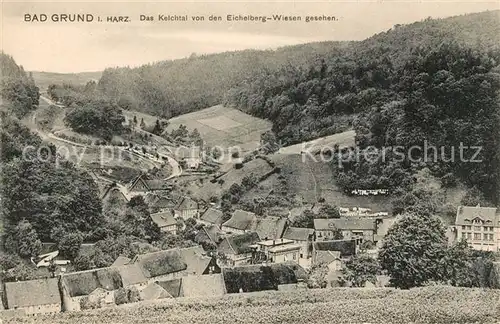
[{"x": 250, "y": 162}]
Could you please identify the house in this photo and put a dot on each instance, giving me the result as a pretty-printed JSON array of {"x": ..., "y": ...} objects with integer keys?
[
  {"x": 347, "y": 248},
  {"x": 240, "y": 222},
  {"x": 203, "y": 286},
  {"x": 210, "y": 233},
  {"x": 280, "y": 250},
  {"x": 271, "y": 227},
  {"x": 173, "y": 287},
  {"x": 360, "y": 228},
  {"x": 187, "y": 208},
  {"x": 75, "y": 286},
  {"x": 165, "y": 221},
  {"x": 132, "y": 275},
  {"x": 154, "y": 291},
  {"x": 480, "y": 226},
  {"x": 141, "y": 184},
  {"x": 301, "y": 236},
  {"x": 113, "y": 194},
  {"x": 211, "y": 216},
  {"x": 330, "y": 258},
  {"x": 34, "y": 296},
  {"x": 161, "y": 265},
  {"x": 159, "y": 203},
  {"x": 197, "y": 262},
  {"x": 251, "y": 278},
  {"x": 239, "y": 248}
]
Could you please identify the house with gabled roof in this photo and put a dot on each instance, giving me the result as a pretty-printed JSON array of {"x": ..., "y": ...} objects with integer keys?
[
  {"x": 198, "y": 263},
  {"x": 159, "y": 202},
  {"x": 239, "y": 248},
  {"x": 480, "y": 226},
  {"x": 301, "y": 236},
  {"x": 34, "y": 296},
  {"x": 347, "y": 248},
  {"x": 142, "y": 184},
  {"x": 211, "y": 216},
  {"x": 165, "y": 221},
  {"x": 271, "y": 227},
  {"x": 251, "y": 278},
  {"x": 210, "y": 233},
  {"x": 78, "y": 285},
  {"x": 161, "y": 265},
  {"x": 113, "y": 193},
  {"x": 186, "y": 208},
  {"x": 361, "y": 228},
  {"x": 240, "y": 222}
]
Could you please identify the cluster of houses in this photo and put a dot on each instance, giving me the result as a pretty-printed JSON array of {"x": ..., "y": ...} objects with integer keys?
[
  {"x": 186, "y": 272},
  {"x": 370, "y": 192}
]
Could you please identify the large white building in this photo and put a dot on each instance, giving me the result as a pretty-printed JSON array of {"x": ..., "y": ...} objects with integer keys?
[{"x": 480, "y": 226}]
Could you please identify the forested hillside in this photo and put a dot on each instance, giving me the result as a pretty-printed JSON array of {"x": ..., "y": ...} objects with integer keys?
[
  {"x": 172, "y": 88},
  {"x": 434, "y": 81},
  {"x": 17, "y": 89}
]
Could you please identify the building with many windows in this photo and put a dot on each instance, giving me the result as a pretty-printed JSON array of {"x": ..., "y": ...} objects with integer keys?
[{"x": 480, "y": 226}]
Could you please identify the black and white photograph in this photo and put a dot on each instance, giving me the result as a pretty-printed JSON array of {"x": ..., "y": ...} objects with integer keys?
[{"x": 273, "y": 162}]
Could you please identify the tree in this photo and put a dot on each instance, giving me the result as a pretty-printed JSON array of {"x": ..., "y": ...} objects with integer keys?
[
  {"x": 269, "y": 143},
  {"x": 360, "y": 269},
  {"x": 306, "y": 219},
  {"x": 328, "y": 211},
  {"x": 134, "y": 121},
  {"x": 23, "y": 240},
  {"x": 318, "y": 276},
  {"x": 158, "y": 129},
  {"x": 70, "y": 244},
  {"x": 412, "y": 251},
  {"x": 143, "y": 124}
]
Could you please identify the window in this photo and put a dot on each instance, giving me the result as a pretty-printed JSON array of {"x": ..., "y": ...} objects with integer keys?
[
  {"x": 491, "y": 237},
  {"x": 486, "y": 237},
  {"x": 464, "y": 235},
  {"x": 469, "y": 235},
  {"x": 469, "y": 227},
  {"x": 463, "y": 227},
  {"x": 477, "y": 236},
  {"x": 477, "y": 228},
  {"x": 294, "y": 256}
]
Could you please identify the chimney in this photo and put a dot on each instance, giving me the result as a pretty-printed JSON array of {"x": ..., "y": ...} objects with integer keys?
[{"x": 274, "y": 242}]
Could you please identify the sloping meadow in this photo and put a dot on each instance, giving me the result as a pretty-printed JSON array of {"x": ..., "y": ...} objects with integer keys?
[{"x": 345, "y": 305}]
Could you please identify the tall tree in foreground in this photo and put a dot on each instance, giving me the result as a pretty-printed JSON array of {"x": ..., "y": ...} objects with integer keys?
[{"x": 413, "y": 250}]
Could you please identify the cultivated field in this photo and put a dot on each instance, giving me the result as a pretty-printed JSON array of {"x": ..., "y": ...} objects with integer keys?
[
  {"x": 223, "y": 126},
  {"x": 313, "y": 180},
  {"x": 322, "y": 306}
]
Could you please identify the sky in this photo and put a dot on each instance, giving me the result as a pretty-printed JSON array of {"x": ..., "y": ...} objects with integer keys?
[{"x": 82, "y": 47}]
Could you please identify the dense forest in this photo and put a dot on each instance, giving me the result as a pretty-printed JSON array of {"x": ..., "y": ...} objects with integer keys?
[
  {"x": 433, "y": 82},
  {"x": 172, "y": 88}
]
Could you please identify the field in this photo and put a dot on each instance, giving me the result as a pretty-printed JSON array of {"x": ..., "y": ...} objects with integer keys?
[
  {"x": 223, "y": 126},
  {"x": 341, "y": 305},
  {"x": 258, "y": 167},
  {"x": 44, "y": 79},
  {"x": 312, "y": 180},
  {"x": 344, "y": 139}
]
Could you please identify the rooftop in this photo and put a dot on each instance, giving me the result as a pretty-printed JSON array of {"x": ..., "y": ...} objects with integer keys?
[
  {"x": 486, "y": 215},
  {"x": 298, "y": 233},
  {"x": 164, "y": 219},
  {"x": 275, "y": 242},
  {"x": 32, "y": 293},
  {"x": 241, "y": 220},
  {"x": 345, "y": 223}
]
